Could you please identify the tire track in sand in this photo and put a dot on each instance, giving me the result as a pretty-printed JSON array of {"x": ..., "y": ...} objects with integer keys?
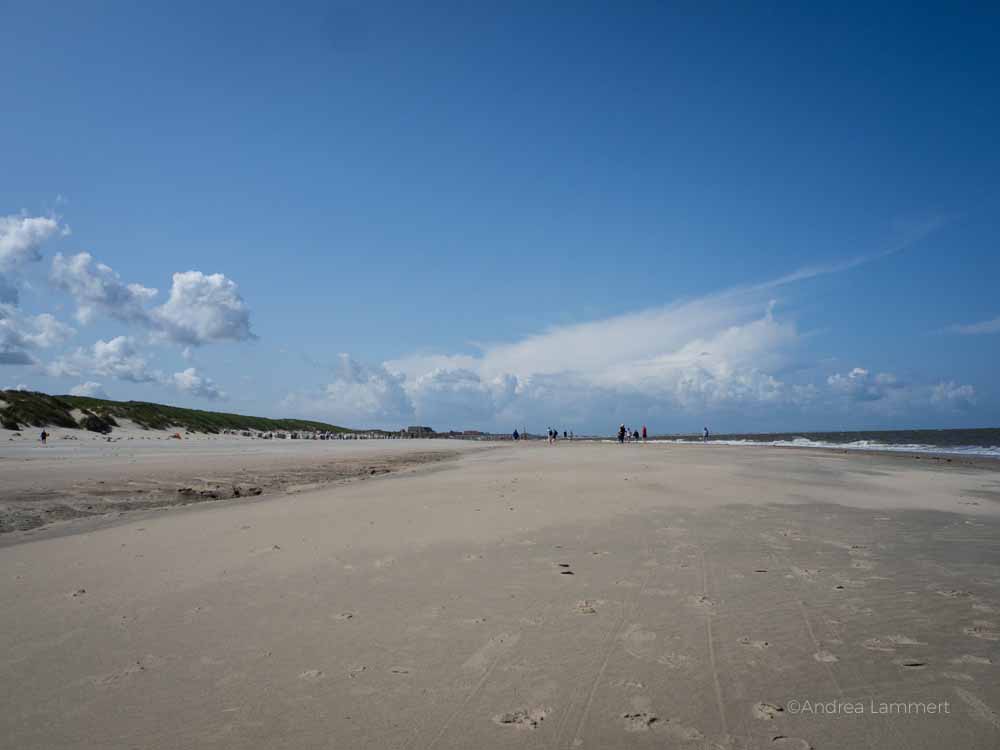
[{"x": 608, "y": 644}]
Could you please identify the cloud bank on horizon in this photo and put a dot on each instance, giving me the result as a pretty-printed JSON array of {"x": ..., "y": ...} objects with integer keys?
[
  {"x": 734, "y": 351},
  {"x": 727, "y": 352}
]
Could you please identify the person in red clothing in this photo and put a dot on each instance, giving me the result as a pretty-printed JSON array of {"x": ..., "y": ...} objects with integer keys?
[{"x": 644, "y": 433}]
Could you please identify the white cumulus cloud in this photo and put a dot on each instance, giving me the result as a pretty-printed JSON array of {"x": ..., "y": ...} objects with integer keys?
[
  {"x": 192, "y": 382},
  {"x": 861, "y": 385},
  {"x": 21, "y": 238},
  {"x": 118, "y": 358},
  {"x": 951, "y": 394},
  {"x": 21, "y": 333},
  {"x": 357, "y": 394},
  {"x": 202, "y": 309},
  {"x": 96, "y": 288}
]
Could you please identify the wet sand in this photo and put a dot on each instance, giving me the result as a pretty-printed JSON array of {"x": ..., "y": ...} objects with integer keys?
[{"x": 579, "y": 595}]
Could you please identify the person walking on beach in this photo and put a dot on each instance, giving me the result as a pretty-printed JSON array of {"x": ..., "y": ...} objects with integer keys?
[
  {"x": 621, "y": 434},
  {"x": 704, "y": 438},
  {"x": 516, "y": 435},
  {"x": 644, "y": 433},
  {"x": 44, "y": 436}
]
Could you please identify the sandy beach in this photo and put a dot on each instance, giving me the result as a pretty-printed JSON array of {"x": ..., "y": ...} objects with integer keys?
[{"x": 580, "y": 595}]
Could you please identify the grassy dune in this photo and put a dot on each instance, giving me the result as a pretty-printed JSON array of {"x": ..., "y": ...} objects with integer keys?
[{"x": 32, "y": 409}]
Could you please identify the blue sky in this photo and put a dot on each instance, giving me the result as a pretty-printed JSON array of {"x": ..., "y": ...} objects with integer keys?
[{"x": 756, "y": 217}]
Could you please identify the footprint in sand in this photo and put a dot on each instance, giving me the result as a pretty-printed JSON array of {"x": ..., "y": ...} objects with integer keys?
[
  {"x": 586, "y": 607},
  {"x": 862, "y": 564},
  {"x": 904, "y": 640},
  {"x": 702, "y": 601},
  {"x": 640, "y": 721},
  {"x": 889, "y": 643},
  {"x": 955, "y": 594},
  {"x": 353, "y": 672},
  {"x": 312, "y": 675},
  {"x": 806, "y": 574},
  {"x": 958, "y": 676},
  {"x": 673, "y": 660},
  {"x": 982, "y": 629},
  {"x": 399, "y": 670},
  {"x": 522, "y": 718},
  {"x": 343, "y": 616},
  {"x": 849, "y": 583},
  {"x": 766, "y": 711},
  {"x": 878, "y": 644},
  {"x": 745, "y": 640},
  {"x": 970, "y": 659},
  {"x": 825, "y": 657},
  {"x": 385, "y": 562}
]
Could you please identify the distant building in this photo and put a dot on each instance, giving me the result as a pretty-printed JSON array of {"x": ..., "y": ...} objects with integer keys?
[{"x": 418, "y": 431}]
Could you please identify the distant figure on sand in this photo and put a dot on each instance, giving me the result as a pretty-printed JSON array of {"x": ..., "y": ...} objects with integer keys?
[
  {"x": 644, "y": 433},
  {"x": 621, "y": 434},
  {"x": 44, "y": 436},
  {"x": 517, "y": 436},
  {"x": 635, "y": 436},
  {"x": 704, "y": 438}
]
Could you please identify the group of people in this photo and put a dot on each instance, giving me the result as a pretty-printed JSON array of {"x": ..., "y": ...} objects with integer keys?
[
  {"x": 626, "y": 435},
  {"x": 554, "y": 435}
]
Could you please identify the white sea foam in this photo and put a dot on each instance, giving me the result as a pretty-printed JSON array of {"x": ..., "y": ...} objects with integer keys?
[{"x": 860, "y": 445}]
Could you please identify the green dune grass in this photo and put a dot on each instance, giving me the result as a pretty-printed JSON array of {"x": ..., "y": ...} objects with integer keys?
[{"x": 30, "y": 408}]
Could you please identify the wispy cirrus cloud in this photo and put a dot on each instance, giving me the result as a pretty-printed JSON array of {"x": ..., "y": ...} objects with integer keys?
[{"x": 976, "y": 329}]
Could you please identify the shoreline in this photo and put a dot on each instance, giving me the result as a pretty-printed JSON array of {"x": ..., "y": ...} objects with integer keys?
[{"x": 86, "y": 508}]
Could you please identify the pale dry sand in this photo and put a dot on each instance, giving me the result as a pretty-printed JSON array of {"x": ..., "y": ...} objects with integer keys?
[
  {"x": 83, "y": 475},
  {"x": 581, "y": 595}
]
